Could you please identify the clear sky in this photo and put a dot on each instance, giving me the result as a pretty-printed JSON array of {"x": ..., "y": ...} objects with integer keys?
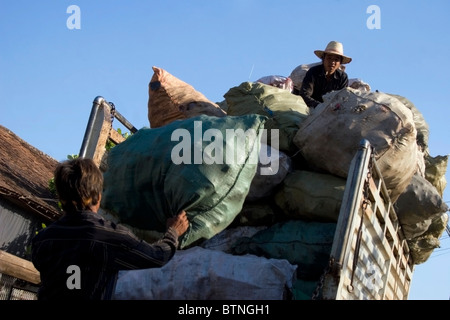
[{"x": 52, "y": 68}]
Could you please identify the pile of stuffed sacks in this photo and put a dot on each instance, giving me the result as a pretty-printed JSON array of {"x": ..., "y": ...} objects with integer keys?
[{"x": 262, "y": 225}]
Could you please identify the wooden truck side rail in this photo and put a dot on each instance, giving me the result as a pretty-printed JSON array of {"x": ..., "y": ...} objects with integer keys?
[
  {"x": 370, "y": 257},
  {"x": 100, "y": 129}
]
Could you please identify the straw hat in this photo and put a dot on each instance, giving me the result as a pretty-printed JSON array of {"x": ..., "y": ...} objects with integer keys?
[{"x": 334, "y": 47}]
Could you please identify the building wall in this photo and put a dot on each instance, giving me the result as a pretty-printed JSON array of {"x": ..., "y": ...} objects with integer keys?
[{"x": 17, "y": 228}]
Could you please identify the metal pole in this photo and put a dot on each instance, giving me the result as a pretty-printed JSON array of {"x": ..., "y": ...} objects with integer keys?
[
  {"x": 89, "y": 128},
  {"x": 124, "y": 121}
]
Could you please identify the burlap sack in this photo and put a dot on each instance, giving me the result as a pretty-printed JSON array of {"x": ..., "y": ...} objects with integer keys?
[
  {"x": 422, "y": 128},
  {"x": 329, "y": 138},
  {"x": 171, "y": 99}
]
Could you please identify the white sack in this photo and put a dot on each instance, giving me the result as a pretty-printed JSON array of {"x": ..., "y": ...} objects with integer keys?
[
  {"x": 203, "y": 274},
  {"x": 330, "y": 136},
  {"x": 273, "y": 166}
]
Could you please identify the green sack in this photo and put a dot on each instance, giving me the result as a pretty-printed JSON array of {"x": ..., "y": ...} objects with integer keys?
[
  {"x": 146, "y": 181},
  {"x": 311, "y": 195},
  {"x": 285, "y": 111},
  {"x": 306, "y": 244}
]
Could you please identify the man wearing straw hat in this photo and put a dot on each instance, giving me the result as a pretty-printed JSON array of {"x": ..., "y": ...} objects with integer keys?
[{"x": 325, "y": 77}]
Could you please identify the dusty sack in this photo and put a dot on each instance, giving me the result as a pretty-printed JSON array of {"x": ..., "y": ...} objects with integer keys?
[
  {"x": 423, "y": 246},
  {"x": 171, "y": 98},
  {"x": 417, "y": 206},
  {"x": 421, "y": 125},
  {"x": 435, "y": 169},
  {"x": 329, "y": 138}
]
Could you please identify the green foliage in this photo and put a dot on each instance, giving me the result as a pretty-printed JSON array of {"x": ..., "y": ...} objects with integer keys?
[
  {"x": 28, "y": 247},
  {"x": 110, "y": 144},
  {"x": 43, "y": 226},
  {"x": 52, "y": 187}
]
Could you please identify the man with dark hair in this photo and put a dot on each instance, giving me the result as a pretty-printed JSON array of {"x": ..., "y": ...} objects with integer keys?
[
  {"x": 79, "y": 255},
  {"x": 325, "y": 77}
]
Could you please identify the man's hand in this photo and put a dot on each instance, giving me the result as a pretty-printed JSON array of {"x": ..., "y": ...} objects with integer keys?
[{"x": 180, "y": 223}]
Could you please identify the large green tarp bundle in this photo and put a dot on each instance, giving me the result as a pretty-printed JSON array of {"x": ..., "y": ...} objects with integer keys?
[{"x": 158, "y": 172}]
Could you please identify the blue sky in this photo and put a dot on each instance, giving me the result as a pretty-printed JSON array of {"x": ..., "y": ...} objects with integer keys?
[{"x": 50, "y": 74}]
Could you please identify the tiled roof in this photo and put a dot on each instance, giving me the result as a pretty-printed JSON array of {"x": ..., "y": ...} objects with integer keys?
[{"x": 25, "y": 173}]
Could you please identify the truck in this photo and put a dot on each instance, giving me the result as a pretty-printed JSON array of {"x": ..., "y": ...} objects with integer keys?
[{"x": 369, "y": 259}]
